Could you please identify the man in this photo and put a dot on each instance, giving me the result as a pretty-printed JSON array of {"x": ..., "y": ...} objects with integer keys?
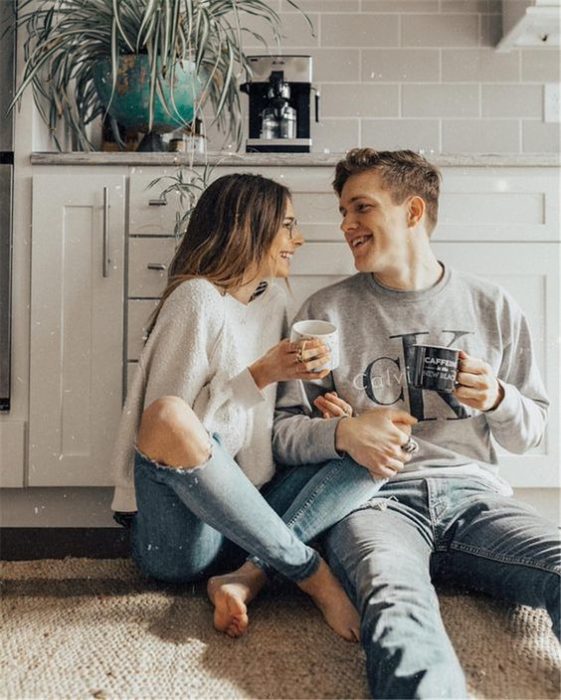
[{"x": 445, "y": 514}]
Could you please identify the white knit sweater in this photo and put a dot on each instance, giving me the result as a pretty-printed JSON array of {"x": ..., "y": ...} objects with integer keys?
[{"x": 199, "y": 350}]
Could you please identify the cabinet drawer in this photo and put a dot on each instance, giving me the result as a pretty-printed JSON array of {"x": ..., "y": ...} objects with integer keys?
[
  {"x": 149, "y": 259},
  {"x": 150, "y": 214},
  {"x": 139, "y": 311}
]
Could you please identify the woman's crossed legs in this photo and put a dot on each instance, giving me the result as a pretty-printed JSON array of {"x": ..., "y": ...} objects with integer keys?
[{"x": 191, "y": 494}]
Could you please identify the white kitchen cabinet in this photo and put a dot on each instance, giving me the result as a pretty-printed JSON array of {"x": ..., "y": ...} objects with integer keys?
[
  {"x": 151, "y": 245},
  {"x": 501, "y": 223},
  {"x": 77, "y": 297}
]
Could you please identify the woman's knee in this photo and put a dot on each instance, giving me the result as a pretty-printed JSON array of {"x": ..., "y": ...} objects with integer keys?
[{"x": 170, "y": 433}]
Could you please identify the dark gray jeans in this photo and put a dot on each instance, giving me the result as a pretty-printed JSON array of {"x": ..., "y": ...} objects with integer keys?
[{"x": 454, "y": 529}]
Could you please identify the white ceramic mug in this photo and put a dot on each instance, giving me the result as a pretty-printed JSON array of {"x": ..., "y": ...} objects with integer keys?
[{"x": 322, "y": 330}]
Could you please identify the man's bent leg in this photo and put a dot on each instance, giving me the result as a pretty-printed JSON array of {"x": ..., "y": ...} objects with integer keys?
[
  {"x": 382, "y": 552},
  {"x": 502, "y": 547}
]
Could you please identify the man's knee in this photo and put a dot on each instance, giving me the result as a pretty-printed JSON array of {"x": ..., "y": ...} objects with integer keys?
[{"x": 171, "y": 433}]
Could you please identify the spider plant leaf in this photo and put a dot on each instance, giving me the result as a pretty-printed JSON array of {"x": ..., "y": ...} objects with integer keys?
[
  {"x": 167, "y": 41},
  {"x": 153, "y": 58},
  {"x": 117, "y": 22},
  {"x": 227, "y": 80},
  {"x": 200, "y": 34},
  {"x": 32, "y": 73},
  {"x": 174, "y": 34},
  {"x": 145, "y": 29},
  {"x": 189, "y": 12},
  {"x": 306, "y": 17}
]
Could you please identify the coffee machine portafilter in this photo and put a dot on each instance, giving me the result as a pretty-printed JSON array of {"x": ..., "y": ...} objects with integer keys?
[{"x": 279, "y": 103}]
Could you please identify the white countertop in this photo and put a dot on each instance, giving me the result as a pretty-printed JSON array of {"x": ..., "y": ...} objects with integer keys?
[{"x": 284, "y": 159}]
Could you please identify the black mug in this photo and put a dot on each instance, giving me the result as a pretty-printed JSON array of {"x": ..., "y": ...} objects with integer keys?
[{"x": 435, "y": 368}]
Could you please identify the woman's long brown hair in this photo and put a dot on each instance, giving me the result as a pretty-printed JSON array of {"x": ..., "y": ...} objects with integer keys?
[{"x": 229, "y": 232}]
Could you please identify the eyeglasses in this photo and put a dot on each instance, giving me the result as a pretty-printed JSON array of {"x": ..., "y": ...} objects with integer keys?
[{"x": 290, "y": 227}]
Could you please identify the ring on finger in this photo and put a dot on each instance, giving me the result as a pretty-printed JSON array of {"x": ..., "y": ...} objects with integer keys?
[{"x": 410, "y": 447}]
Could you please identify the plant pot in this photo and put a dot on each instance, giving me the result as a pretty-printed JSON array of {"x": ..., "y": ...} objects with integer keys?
[{"x": 173, "y": 102}]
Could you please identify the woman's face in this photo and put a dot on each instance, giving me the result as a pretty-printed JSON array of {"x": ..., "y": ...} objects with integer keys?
[{"x": 288, "y": 238}]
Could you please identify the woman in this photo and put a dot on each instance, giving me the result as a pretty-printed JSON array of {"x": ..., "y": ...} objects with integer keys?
[{"x": 204, "y": 391}]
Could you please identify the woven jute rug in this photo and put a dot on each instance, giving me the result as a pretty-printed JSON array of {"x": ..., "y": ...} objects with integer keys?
[{"x": 85, "y": 628}]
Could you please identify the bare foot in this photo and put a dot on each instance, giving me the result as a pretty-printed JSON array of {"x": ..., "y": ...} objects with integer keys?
[
  {"x": 229, "y": 595},
  {"x": 328, "y": 594}
]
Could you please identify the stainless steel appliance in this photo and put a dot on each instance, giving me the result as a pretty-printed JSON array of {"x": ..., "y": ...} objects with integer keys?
[
  {"x": 279, "y": 103},
  {"x": 7, "y": 81}
]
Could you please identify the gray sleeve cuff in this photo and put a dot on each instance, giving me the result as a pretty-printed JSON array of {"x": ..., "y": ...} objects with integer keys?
[
  {"x": 508, "y": 408},
  {"x": 323, "y": 437}
]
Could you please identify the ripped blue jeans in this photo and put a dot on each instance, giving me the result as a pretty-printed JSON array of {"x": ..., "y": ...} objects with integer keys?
[{"x": 192, "y": 523}]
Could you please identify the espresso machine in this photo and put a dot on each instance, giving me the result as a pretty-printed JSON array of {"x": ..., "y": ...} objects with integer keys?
[{"x": 279, "y": 104}]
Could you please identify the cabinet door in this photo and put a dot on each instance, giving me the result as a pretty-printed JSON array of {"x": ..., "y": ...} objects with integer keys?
[{"x": 76, "y": 327}]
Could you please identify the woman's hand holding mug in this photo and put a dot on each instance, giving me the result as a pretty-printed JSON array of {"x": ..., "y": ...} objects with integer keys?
[{"x": 291, "y": 360}]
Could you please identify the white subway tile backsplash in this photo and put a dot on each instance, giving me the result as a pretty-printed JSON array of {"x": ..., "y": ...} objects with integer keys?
[
  {"x": 464, "y": 6},
  {"x": 422, "y": 74},
  {"x": 390, "y": 134},
  {"x": 400, "y": 65},
  {"x": 440, "y": 30},
  {"x": 359, "y": 100},
  {"x": 335, "y": 135},
  {"x": 512, "y": 101},
  {"x": 400, "y": 6},
  {"x": 479, "y": 65},
  {"x": 480, "y": 136},
  {"x": 541, "y": 65},
  {"x": 322, "y": 6},
  {"x": 359, "y": 30},
  {"x": 295, "y": 32},
  {"x": 440, "y": 100},
  {"x": 491, "y": 29},
  {"x": 538, "y": 137},
  {"x": 335, "y": 65}
]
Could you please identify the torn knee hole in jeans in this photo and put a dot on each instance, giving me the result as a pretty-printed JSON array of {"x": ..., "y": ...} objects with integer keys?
[
  {"x": 180, "y": 469},
  {"x": 378, "y": 503}
]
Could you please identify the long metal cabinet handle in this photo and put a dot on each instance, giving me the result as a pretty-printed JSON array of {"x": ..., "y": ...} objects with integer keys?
[{"x": 105, "y": 231}]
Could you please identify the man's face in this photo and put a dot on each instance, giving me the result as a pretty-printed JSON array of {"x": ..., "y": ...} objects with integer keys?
[{"x": 375, "y": 228}]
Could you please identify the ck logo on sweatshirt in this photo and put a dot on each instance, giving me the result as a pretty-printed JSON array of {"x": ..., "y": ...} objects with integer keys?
[{"x": 384, "y": 380}]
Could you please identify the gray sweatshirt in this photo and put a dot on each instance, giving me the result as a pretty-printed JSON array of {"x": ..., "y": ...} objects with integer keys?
[{"x": 378, "y": 327}]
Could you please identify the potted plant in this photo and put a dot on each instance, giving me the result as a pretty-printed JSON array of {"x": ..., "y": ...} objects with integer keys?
[{"x": 85, "y": 59}]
